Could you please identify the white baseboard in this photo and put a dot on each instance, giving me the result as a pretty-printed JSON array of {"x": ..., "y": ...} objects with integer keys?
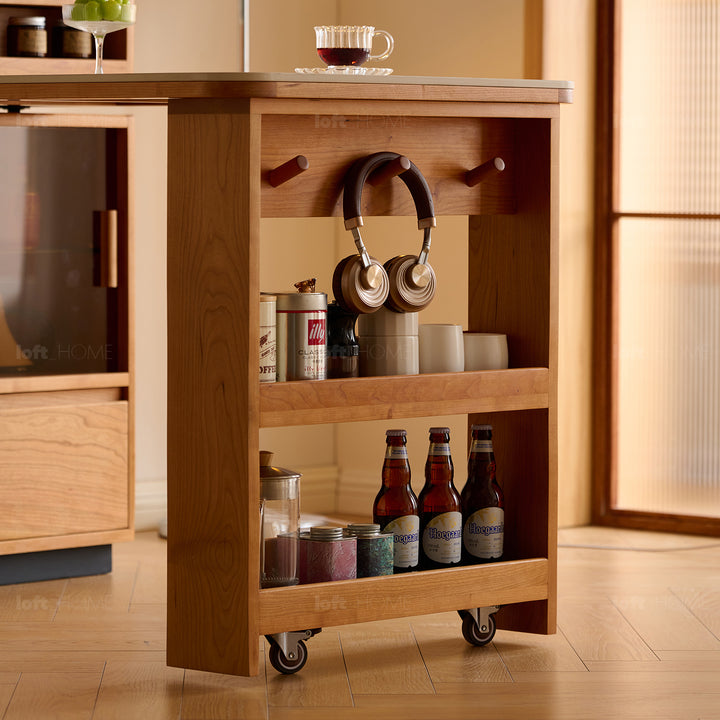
[
  {"x": 318, "y": 489},
  {"x": 318, "y": 495},
  {"x": 150, "y": 503},
  {"x": 356, "y": 493}
]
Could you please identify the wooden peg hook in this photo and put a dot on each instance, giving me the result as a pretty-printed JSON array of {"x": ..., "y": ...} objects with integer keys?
[
  {"x": 288, "y": 170},
  {"x": 389, "y": 170},
  {"x": 478, "y": 174}
]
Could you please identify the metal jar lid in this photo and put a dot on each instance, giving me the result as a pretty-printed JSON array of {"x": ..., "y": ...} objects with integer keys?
[
  {"x": 303, "y": 302},
  {"x": 326, "y": 533},
  {"x": 277, "y": 483},
  {"x": 33, "y": 21},
  {"x": 363, "y": 530}
]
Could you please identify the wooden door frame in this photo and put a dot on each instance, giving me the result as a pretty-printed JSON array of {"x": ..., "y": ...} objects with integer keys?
[{"x": 605, "y": 360}]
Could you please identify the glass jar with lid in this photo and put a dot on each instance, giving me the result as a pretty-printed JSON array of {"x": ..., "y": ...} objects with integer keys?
[
  {"x": 279, "y": 521},
  {"x": 27, "y": 37}
]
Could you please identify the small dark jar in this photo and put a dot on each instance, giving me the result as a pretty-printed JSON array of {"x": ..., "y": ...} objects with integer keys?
[
  {"x": 27, "y": 37},
  {"x": 70, "y": 43}
]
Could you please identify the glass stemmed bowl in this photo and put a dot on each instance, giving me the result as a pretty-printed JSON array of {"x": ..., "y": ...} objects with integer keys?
[{"x": 99, "y": 17}]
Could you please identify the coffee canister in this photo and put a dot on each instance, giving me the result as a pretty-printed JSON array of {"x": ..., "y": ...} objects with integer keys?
[
  {"x": 268, "y": 343},
  {"x": 325, "y": 554},
  {"x": 374, "y": 550},
  {"x": 301, "y": 321}
]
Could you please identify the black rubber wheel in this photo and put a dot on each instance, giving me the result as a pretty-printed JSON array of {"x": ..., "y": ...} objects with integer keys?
[
  {"x": 285, "y": 666},
  {"x": 473, "y": 634}
]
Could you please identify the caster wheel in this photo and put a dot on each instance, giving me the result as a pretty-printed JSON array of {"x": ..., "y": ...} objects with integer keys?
[
  {"x": 285, "y": 665},
  {"x": 473, "y": 634}
]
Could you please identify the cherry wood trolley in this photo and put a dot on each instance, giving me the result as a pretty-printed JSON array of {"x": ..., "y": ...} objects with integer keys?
[{"x": 227, "y": 134}]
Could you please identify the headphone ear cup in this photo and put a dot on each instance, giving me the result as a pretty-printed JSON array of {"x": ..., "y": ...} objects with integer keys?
[
  {"x": 337, "y": 282},
  {"x": 405, "y": 294},
  {"x": 350, "y": 285}
]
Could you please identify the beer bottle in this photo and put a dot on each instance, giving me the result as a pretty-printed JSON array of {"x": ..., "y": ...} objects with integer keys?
[
  {"x": 439, "y": 507},
  {"x": 482, "y": 502},
  {"x": 395, "y": 508}
]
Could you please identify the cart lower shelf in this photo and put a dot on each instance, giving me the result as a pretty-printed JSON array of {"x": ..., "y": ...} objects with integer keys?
[{"x": 419, "y": 593}]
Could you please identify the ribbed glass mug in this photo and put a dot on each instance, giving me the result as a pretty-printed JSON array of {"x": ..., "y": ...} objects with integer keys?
[{"x": 349, "y": 45}]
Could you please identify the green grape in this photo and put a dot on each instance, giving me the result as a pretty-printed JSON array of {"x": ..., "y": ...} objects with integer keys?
[
  {"x": 111, "y": 10},
  {"x": 126, "y": 13},
  {"x": 92, "y": 11},
  {"x": 81, "y": 2},
  {"x": 78, "y": 11}
]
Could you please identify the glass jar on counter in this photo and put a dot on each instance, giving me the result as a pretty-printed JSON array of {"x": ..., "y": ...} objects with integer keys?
[{"x": 27, "y": 37}]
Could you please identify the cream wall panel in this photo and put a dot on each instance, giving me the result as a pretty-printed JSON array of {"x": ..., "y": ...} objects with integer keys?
[{"x": 569, "y": 44}]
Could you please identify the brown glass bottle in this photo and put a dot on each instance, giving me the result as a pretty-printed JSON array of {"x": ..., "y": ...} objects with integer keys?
[
  {"x": 395, "y": 508},
  {"x": 482, "y": 502},
  {"x": 439, "y": 507}
]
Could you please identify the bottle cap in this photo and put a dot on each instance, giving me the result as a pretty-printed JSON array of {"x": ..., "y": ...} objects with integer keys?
[
  {"x": 439, "y": 430},
  {"x": 395, "y": 433},
  {"x": 481, "y": 427}
]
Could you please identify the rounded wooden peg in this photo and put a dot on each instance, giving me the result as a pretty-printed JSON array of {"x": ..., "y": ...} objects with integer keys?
[
  {"x": 478, "y": 174},
  {"x": 288, "y": 170},
  {"x": 389, "y": 170}
]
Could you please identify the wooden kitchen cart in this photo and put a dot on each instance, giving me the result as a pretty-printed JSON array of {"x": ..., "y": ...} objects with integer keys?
[{"x": 225, "y": 134}]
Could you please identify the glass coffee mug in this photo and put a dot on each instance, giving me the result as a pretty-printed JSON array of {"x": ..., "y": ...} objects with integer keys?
[{"x": 349, "y": 45}]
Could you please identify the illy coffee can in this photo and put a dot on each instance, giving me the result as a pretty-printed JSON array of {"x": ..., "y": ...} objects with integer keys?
[{"x": 301, "y": 336}]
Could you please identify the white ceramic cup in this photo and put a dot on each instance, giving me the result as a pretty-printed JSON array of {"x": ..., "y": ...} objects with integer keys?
[
  {"x": 485, "y": 351},
  {"x": 392, "y": 355},
  {"x": 441, "y": 348}
]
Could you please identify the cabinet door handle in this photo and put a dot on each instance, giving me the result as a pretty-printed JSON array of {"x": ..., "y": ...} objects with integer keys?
[{"x": 105, "y": 239}]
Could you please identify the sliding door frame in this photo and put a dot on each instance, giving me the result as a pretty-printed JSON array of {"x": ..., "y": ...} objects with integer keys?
[{"x": 605, "y": 336}]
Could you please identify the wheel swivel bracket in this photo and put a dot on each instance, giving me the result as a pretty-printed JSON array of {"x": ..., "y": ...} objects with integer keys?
[
  {"x": 288, "y": 641},
  {"x": 482, "y": 615}
]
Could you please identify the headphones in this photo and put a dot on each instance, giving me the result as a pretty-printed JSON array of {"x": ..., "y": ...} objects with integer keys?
[{"x": 405, "y": 283}]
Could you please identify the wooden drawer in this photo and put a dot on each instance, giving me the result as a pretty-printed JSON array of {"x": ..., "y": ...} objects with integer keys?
[{"x": 63, "y": 469}]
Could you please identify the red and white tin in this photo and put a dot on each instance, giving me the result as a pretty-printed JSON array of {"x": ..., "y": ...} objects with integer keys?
[{"x": 301, "y": 336}]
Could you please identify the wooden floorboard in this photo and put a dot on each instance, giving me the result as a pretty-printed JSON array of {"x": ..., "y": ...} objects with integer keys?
[{"x": 639, "y": 637}]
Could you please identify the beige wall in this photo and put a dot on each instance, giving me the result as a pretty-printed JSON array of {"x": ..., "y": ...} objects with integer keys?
[
  {"x": 164, "y": 42},
  {"x": 478, "y": 38},
  {"x": 569, "y": 54}
]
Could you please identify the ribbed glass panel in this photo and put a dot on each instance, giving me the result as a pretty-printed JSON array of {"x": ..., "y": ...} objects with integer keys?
[
  {"x": 669, "y": 119},
  {"x": 669, "y": 366},
  {"x": 668, "y": 270}
]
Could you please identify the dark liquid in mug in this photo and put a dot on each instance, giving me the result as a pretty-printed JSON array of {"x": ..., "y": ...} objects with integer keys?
[{"x": 343, "y": 56}]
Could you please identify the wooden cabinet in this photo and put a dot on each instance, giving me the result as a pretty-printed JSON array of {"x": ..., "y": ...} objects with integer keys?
[
  {"x": 117, "y": 56},
  {"x": 225, "y": 133},
  {"x": 66, "y": 442}
]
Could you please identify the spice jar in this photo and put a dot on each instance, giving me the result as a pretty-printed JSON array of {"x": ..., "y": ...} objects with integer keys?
[
  {"x": 374, "y": 549},
  {"x": 326, "y": 555},
  {"x": 70, "y": 43},
  {"x": 26, "y": 37}
]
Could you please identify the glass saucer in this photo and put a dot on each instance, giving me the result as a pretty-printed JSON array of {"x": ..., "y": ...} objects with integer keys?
[{"x": 345, "y": 70}]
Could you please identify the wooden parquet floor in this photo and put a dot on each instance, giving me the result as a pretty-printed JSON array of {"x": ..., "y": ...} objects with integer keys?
[{"x": 639, "y": 637}]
